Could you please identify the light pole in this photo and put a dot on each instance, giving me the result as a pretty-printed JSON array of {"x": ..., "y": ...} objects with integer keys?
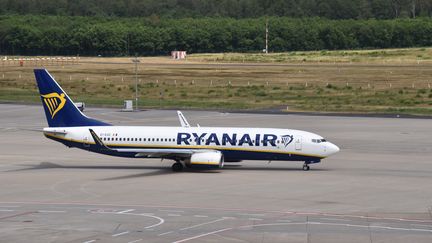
[
  {"x": 266, "y": 36},
  {"x": 136, "y": 61}
]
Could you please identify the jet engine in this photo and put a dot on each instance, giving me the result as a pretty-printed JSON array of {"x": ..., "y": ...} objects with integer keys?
[{"x": 209, "y": 159}]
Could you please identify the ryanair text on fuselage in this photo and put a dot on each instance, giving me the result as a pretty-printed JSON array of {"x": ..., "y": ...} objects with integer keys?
[{"x": 233, "y": 139}]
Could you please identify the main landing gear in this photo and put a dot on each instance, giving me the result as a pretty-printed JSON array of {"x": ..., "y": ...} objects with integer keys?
[
  {"x": 177, "y": 166},
  {"x": 306, "y": 166}
]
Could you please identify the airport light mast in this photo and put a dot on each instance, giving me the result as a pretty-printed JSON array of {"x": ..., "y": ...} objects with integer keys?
[
  {"x": 136, "y": 61},
  {"x": 266, "y": 36}
]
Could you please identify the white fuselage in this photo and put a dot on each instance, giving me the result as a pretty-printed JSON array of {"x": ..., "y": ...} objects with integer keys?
[{"x": 236, "y": 144}]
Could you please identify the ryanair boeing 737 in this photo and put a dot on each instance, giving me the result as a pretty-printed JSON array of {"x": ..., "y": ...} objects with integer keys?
[{"x": 187, "y": 146}]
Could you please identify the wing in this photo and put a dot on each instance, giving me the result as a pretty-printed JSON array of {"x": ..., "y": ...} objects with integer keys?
[
  {"x": 159, "y": 153},
  {"x": 148, "y": 153}
]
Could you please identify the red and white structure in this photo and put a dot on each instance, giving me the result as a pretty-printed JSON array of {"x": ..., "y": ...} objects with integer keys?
[{"x": 178, "y": 55}]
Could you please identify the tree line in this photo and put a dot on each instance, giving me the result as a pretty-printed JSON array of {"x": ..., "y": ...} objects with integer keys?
[
  {"x": 66, "y": 35},
  {"x": 332, "y": 9}
]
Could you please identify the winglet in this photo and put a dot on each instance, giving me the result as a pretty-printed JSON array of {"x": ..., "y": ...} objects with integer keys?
[
  {"x": 183, "y": 121},
  {"x": 98, "y": 141}
]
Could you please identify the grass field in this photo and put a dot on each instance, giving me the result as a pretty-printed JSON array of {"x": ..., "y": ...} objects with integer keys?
[
  {"x": 384, "y": 81},
  {"x": 387, "y": 56}
]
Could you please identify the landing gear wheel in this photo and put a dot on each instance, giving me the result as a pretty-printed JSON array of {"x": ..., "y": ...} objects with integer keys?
[
  {"x": 306, "y": 167},
  {"x": 177, "y": 166}
]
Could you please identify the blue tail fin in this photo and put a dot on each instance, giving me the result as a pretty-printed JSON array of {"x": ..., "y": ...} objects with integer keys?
[{"x": 60, "y": 111}]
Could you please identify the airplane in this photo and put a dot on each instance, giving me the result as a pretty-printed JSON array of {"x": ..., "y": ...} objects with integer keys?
[{"x": 187, "y": 146}]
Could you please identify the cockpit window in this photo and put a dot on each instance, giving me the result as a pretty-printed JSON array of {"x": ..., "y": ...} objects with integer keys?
[{"x": 319, "y": 140}]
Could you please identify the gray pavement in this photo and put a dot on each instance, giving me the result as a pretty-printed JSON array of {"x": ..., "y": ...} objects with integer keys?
[{"x": 377, "y": 189}]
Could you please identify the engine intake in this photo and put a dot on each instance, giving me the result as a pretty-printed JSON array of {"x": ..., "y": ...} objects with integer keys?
[{"x": 210, "y": 159}]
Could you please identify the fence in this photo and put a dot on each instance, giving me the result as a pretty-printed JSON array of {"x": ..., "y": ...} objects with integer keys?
[
  {"x": 130, "y": 79},
  {"x": 38, "y": 61}
]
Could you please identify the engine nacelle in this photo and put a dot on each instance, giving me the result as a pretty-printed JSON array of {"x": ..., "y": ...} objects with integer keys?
[{"x": 212, "y": 159}]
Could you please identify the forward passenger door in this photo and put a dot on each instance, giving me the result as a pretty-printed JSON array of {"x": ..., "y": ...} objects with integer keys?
[{"x": 298, "y": 143}]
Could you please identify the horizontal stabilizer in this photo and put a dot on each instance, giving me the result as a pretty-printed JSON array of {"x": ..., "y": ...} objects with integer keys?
[{"x": 54, "y": 131}]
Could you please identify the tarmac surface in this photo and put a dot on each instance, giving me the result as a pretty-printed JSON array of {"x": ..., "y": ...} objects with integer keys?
[{"x": 377, "y": 189}]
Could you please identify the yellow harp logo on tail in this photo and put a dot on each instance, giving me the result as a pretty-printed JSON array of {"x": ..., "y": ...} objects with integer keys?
[{"x": 54, "y": 102}]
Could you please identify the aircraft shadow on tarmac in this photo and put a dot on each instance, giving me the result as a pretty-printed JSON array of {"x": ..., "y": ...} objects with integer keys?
[{"x": 160, "y": 170}]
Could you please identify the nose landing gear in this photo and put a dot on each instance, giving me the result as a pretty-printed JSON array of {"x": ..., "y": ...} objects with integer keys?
[{"x": 307, "y": 163}]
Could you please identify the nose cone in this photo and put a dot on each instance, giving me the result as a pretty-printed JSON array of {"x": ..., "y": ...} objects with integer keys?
[{"x": 331, "y": 149}]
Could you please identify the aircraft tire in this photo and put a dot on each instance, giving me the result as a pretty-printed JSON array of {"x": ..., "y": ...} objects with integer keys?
[
  {"x": 177, "y": 166},
  {"x": 306, "y": 167}
]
